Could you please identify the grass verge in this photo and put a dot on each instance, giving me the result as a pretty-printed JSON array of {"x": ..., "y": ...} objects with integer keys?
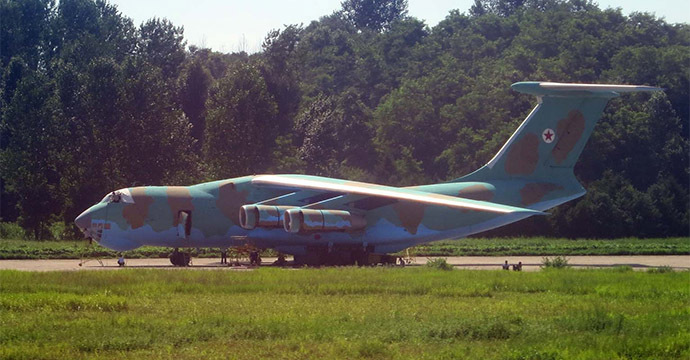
[
  {"x": 345, "y": 313},
  {"x": 25, "y": 249},
  {"x": 541, "y": 246}
]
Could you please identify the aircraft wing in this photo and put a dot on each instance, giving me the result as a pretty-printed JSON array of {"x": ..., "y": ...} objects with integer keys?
[{"x": 316, "y": 183}]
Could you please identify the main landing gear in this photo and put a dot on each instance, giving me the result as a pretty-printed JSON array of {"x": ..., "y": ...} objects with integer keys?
[{"x": 180, "y": 258}]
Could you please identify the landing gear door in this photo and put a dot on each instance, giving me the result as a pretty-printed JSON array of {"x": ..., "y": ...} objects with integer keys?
[{"x": 184, "y": 224}]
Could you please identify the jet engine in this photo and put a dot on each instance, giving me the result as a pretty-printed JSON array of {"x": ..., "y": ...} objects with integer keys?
[
  {"x": 296, "y": 220},
  {"x": 266, "y": 216}
]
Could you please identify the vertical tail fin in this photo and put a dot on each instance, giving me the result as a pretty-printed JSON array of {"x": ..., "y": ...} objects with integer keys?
[{"x": 548, "y": 143}]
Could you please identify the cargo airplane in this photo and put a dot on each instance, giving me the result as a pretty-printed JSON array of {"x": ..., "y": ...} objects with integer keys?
[{"x": 323, "y": 220}]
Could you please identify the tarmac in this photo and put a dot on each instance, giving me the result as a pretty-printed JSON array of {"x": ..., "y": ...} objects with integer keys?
[{"x": 529, "y": 263}]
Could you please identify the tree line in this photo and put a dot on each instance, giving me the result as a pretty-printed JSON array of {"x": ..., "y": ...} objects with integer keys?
[{"x": 92, "y": 102}]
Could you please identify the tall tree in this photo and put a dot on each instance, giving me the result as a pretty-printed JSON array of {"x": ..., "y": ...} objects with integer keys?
[
  {"x": 162, "y": 44},
  {"x": 30, "y": 162},
  {"x": 240, "y": 126},
  {"x": 83, "y": 30},
  {"x": 279, "y": 69},
  {"x": 334, "y": 135},
  {"x": 317, "y": 126},
  {"x": 24, "y": 29},
  {"x": 374, "y": 15},
  {"x": 327, "y": 54},
  {"x": 195, "y": 81}
]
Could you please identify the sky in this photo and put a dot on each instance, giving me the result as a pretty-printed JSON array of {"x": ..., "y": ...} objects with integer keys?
[{"x": 241, "y": 25}]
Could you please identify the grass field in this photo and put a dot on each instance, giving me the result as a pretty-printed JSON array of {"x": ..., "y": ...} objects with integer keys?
[
  {"x": 345, "y": 313},
  {"x": 550, "y": 246},
  {"x": 23, "y": 249},
  {"x": 26, "y": 249}
]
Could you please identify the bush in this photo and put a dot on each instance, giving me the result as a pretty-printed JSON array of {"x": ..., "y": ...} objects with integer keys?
[
  {"x": 10, "y": 230},
  {"x": 661, "y": 270},
  {"x": 58, "y": 230},
  {"x": 440, "y": 264},
  {"x": 558, "y": 262}
]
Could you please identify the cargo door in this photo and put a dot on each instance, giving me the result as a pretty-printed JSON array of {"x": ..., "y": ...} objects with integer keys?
[{"x": 184, "y": 224}]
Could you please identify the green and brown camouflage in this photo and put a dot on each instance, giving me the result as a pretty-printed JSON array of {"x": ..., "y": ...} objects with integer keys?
[{"x": 311, "y": 217}]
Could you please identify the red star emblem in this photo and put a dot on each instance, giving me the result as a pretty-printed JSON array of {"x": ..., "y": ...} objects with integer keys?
[{"x": 548, "y": 136}]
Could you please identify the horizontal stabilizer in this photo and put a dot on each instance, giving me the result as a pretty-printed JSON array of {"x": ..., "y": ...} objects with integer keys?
[
  {"x": 551, "y": 88},
  {"x": 305, "y": 182}
]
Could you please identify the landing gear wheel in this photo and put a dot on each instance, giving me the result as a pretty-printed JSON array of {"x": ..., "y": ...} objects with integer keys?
[{"x": 179, "y": 259}]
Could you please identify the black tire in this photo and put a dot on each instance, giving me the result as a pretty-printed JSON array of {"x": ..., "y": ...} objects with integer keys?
[
  {"x": 173, "y": 259},
  {"x": 180, "y": 259}
]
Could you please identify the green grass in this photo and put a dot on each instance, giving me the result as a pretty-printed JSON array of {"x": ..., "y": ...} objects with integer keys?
[
  {"x": 25, "y": 249},
  {"x": 558, "y": 262},
  {"x": 345, "y": 313},
  {"x": 439, "y": 264},
  {"x": 540, "y": 246}
]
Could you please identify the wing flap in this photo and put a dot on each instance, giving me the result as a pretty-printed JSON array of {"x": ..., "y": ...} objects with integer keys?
[{"x": 305, "y": 182}]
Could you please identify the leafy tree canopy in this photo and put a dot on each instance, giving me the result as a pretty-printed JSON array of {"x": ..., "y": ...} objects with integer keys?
[{"x": 89, "y": 103}]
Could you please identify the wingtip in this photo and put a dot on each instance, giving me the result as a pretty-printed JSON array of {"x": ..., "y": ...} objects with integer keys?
[
  {"x": 519, "y": 210},
  {"x": 533, "y": 212}
]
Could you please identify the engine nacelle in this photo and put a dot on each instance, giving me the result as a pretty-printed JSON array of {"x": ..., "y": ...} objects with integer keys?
[
  {"x": 265, "y": 216},
  {"x": 296, "y": 220}
]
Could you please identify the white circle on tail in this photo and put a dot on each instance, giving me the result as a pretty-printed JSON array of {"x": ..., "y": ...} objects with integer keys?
[{"x": 548, "y": 136}]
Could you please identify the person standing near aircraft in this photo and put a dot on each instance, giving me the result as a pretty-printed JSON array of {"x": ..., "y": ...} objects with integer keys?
[
  {"x": 224, "y": 256},
  {"x": 254, "y": 258}
]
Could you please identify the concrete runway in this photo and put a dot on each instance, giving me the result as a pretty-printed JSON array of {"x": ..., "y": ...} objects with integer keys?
[{"x": 530, "y": 263}]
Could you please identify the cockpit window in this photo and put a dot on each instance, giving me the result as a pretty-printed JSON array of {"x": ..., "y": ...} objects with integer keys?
[{"x": 118, "y": 196}]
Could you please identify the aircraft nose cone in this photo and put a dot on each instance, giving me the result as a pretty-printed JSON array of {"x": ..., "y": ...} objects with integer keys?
[{"x": 83, "y": 221}]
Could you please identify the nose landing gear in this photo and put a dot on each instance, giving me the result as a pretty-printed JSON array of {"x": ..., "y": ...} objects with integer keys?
[{"x": 180, "y": 258}]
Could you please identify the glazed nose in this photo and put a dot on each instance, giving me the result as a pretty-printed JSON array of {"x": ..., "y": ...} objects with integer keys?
[{"x": 83, "y": 221}]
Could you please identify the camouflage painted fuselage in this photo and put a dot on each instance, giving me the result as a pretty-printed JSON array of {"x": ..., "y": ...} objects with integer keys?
[
  {"x": 392, "y": 225},
  {"x": 532, "y": 172}
]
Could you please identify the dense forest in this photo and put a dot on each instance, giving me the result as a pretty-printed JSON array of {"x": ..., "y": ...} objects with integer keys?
[{"x": 92, "y": 102}]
